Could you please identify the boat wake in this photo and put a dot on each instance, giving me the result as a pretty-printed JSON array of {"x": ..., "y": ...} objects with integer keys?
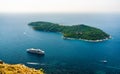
[
  {"x": 109, "y": 67},
  {"x": 112, "y": 67}
]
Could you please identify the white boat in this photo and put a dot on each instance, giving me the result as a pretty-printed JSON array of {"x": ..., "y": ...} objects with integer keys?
[
  {"x": 103, "y": 61},
  {"x": 32, "y": 63},
  {"x": 36, "y": 51}
]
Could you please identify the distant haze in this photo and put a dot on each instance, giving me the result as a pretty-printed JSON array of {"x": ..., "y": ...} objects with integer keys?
[{"x": 59, "y": 6}]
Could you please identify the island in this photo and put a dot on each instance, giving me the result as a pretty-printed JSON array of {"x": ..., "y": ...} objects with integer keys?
[{"x": 80, "y": 31}]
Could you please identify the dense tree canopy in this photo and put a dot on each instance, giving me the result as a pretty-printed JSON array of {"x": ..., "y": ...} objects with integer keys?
[{"x": 76, "y": 31}]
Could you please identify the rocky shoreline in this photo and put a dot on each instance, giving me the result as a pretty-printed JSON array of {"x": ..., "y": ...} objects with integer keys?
[
  {"x": 17, "y": 69},
  {"x": 87, "y": 40}
]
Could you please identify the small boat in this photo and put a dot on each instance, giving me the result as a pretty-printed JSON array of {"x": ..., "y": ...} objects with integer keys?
[
  {"x": 36, "y": 51},
  {"x": 32, "y": 63},
  {"x": 103, "y": 61}
]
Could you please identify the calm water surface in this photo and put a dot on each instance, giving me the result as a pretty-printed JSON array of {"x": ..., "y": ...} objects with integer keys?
[{"x": 62, "y": 56}]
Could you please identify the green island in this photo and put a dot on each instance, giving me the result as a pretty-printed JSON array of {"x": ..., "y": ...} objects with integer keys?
[{"x": 81, "y": 31}]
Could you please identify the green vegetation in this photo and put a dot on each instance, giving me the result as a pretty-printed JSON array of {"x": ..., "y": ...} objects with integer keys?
[{"x": 76, "y": 31}]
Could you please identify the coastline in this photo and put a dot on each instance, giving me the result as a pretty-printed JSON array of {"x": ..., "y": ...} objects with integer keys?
[
  {"x": 68, "y": 38},
  {"x": 17, "y": 69},
  {"x": 101, "y": 40},
  {"x": 74, "y": 31}
]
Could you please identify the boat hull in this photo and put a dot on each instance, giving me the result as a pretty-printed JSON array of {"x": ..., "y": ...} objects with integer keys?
[{"x": 35, "y": 51}]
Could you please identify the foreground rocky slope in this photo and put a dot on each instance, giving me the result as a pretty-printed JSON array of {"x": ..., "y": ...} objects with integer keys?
[{"x": 17, "y": 69}]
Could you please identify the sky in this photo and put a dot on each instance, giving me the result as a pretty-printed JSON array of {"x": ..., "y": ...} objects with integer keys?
[{"x": 59, "y": 6}]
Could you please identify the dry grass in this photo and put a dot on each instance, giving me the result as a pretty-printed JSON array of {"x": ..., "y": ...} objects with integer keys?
[{"x": 17, "y": 69}]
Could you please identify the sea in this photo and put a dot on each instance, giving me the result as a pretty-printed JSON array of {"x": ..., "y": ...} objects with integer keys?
[{"x": 61, "y": 56}]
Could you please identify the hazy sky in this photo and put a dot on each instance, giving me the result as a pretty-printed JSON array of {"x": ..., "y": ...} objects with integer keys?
[{"x": 61, "y": 6}]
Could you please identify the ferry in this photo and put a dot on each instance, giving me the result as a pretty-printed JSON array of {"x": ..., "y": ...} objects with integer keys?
[{"x": 36, "y": 51}]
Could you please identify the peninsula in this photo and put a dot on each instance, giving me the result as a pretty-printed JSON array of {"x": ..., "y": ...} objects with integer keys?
[{"x": 80, "y": 31}]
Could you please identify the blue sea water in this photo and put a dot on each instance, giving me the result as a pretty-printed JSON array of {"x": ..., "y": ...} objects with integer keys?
[{"x": 61, "y": 56}]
